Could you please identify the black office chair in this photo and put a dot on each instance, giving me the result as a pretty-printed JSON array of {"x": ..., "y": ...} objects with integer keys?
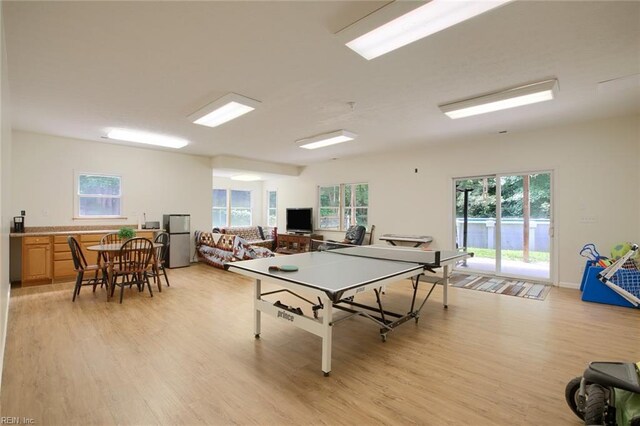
[
  {"x": 353, "y": 237},
  {"x": 81, "y": 266}
]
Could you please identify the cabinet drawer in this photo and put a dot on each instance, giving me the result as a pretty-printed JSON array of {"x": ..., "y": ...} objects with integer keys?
[
  {"x": 91, "y": 238},
  {"x": 60, "y": 247},
  {"x": 62, "y": 239},
  {"x": 36, "y": 240},
  {"x": 62, "y": 255},
  {"x": 63, "y": 268}
]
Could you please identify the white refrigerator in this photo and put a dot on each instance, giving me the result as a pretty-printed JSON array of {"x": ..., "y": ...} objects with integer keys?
[{"x": 178, "y": 227}]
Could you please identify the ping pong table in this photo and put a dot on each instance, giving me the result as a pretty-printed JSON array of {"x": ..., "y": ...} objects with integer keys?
[{"x": 335, "y": 277}]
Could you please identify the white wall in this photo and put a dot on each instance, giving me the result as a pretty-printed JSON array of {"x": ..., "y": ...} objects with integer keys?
[
  {"x": 5, "y": 191},
  {"x": 596, "y": 175},
  {"x": 153, "y": 182}
]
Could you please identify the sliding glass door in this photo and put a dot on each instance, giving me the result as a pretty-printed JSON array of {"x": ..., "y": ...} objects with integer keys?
[
  {"x": 506, "y": 221},
  {"x": 476, "y": 221}
]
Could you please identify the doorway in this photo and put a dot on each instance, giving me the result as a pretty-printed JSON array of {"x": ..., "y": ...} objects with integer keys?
[{"x": 506, "y": 221}]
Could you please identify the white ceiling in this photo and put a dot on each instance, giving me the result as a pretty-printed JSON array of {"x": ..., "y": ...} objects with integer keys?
[{"x": 77, "y": 69}]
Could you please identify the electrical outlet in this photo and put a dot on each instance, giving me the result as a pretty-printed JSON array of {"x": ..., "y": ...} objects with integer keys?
[
  {"x": 23, "y": 212},
  {"x": 588, "y": 219}
]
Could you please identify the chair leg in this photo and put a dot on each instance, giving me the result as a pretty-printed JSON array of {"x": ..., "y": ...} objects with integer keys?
[
  {"x": 156, "y": 278},
  {"x": 76, "y": 288},
  {"x": 121, "y": 292},
  {"x": 146, "y": 278},
  {"x": 164, "y": 271},
  {"x": 80, "y": 278},
  {"x": 140, "y": 282}
]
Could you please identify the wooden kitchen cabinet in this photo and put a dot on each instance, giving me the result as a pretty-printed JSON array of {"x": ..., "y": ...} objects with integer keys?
[
  {"x": 48, "y": 258},
  {"x": 36, "y": 260},
  {"x": 62, "y": 260}
]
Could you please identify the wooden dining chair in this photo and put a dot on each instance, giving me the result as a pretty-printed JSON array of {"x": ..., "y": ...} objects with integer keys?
[
  {"x": 132, "y": 265},
  {"x": 81, "y": 266},
  {"x": 159, "y": 260}
]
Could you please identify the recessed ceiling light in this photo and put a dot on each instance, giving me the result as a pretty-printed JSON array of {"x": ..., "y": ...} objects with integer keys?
[
  {"x": 510, "y": 98},
  {"x": 326, "y": 139},
  {"x": 421, "y": 22},
  {"x": 146, "y": 138},
  {"x": 224, "y": 109},
  {"x": 246, "y": 178}
]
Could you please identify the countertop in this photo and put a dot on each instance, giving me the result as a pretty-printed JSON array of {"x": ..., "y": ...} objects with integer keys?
[{"x": 70, "y": 232}]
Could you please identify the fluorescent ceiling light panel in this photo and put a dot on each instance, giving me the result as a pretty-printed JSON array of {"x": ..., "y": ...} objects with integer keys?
[
  {"x": 146, "y": 138},
  {"x": 421, "y": 22},
  {"x": 225, "y": 109},
  {"x": 246, "y": 178},
  {"x": 326, "y": 139},
  {"x": 629, "y": 82},
  {"x": 510, "y": 98}
]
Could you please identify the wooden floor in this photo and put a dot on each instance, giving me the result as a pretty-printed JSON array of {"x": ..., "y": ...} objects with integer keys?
[{"x": 188, "y": 356}]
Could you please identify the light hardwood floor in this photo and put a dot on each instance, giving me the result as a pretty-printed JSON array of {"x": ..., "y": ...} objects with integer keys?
[{"x": 188, "y": 356}]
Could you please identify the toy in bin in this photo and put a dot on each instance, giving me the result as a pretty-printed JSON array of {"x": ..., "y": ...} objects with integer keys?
[
  {"x": 590, "y": 252},
  {"x": 608, "y": 393},
  {"x": 623, "y": 276}
]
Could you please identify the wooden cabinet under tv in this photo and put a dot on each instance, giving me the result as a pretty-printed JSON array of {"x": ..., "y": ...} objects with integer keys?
[{"x": 295, "y": 243}]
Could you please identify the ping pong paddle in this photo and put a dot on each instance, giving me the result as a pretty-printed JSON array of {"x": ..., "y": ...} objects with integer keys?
[{"x": 283, "y": 268}]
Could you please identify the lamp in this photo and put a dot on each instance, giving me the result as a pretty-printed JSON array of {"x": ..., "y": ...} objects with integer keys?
[
  {"x": 420, "y": 22},
  {"x": 509, "y": 98},
  {"x": 146, "y": 138},
  {"x": 326, "y": 139},
  {"x": 224, "y": 109}
]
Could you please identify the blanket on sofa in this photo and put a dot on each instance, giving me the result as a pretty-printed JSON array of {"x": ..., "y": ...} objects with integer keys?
[
  {"x": 255, "y": 235},
  {"x": 220, "y": 249}
]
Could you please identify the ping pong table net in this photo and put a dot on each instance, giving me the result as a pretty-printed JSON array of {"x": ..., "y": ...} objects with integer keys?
[{"x": 320, "y": 245}]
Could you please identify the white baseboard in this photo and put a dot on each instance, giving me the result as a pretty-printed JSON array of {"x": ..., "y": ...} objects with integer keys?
[
  {"x": 4, "y": 334},
  {"x": 574, "y": 286}
]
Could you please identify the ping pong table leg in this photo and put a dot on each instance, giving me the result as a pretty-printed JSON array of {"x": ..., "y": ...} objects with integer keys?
[
  {"x": 257, "y": 293},
  {"x": 327, "y": 319},
  {"x": 445, "y": 285}
]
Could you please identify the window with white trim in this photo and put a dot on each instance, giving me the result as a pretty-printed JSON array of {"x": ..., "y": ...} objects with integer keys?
[
  {"x": 272, "y": 208},
  {"x": 231, "y": 207},
  {"x": 97, "y": 195},
  {"x": 343, "y": 205}
]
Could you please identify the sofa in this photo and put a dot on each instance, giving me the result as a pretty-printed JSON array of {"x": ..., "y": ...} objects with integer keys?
[
  {"x": 261, "y": 236},
  {"x": 218, "y": 249}
]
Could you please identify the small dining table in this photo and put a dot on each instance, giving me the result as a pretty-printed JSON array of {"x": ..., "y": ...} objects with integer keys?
[{"x": 109, "y": 251}]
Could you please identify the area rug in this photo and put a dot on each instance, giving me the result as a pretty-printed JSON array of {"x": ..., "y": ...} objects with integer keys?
[{"x": 508, "y": 286}]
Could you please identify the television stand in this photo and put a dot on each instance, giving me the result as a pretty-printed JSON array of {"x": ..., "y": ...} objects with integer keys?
[{"x": 295, "y": 243}]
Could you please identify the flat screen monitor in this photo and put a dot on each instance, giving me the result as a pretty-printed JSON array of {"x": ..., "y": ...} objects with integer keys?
[{"x": 300, "y": 220}]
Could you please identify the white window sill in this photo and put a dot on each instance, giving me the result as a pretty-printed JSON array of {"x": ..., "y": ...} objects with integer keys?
[{"x": 99, "y": 217}]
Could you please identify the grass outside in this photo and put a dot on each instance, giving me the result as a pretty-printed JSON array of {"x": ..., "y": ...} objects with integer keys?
[{"x": 534, "y": 256}]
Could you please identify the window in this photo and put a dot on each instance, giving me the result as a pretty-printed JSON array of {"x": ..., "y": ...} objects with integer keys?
[
  {"x": 356, "y": 205},
  {"x": 231, "y": 208},
  {"x": 98, "y": 195},
  {"x": 219, "y": 210},
  {"x": 272, "y": 208},
  {"x": 343, "y": 205},
  {"x": 240, "y": 208}
]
